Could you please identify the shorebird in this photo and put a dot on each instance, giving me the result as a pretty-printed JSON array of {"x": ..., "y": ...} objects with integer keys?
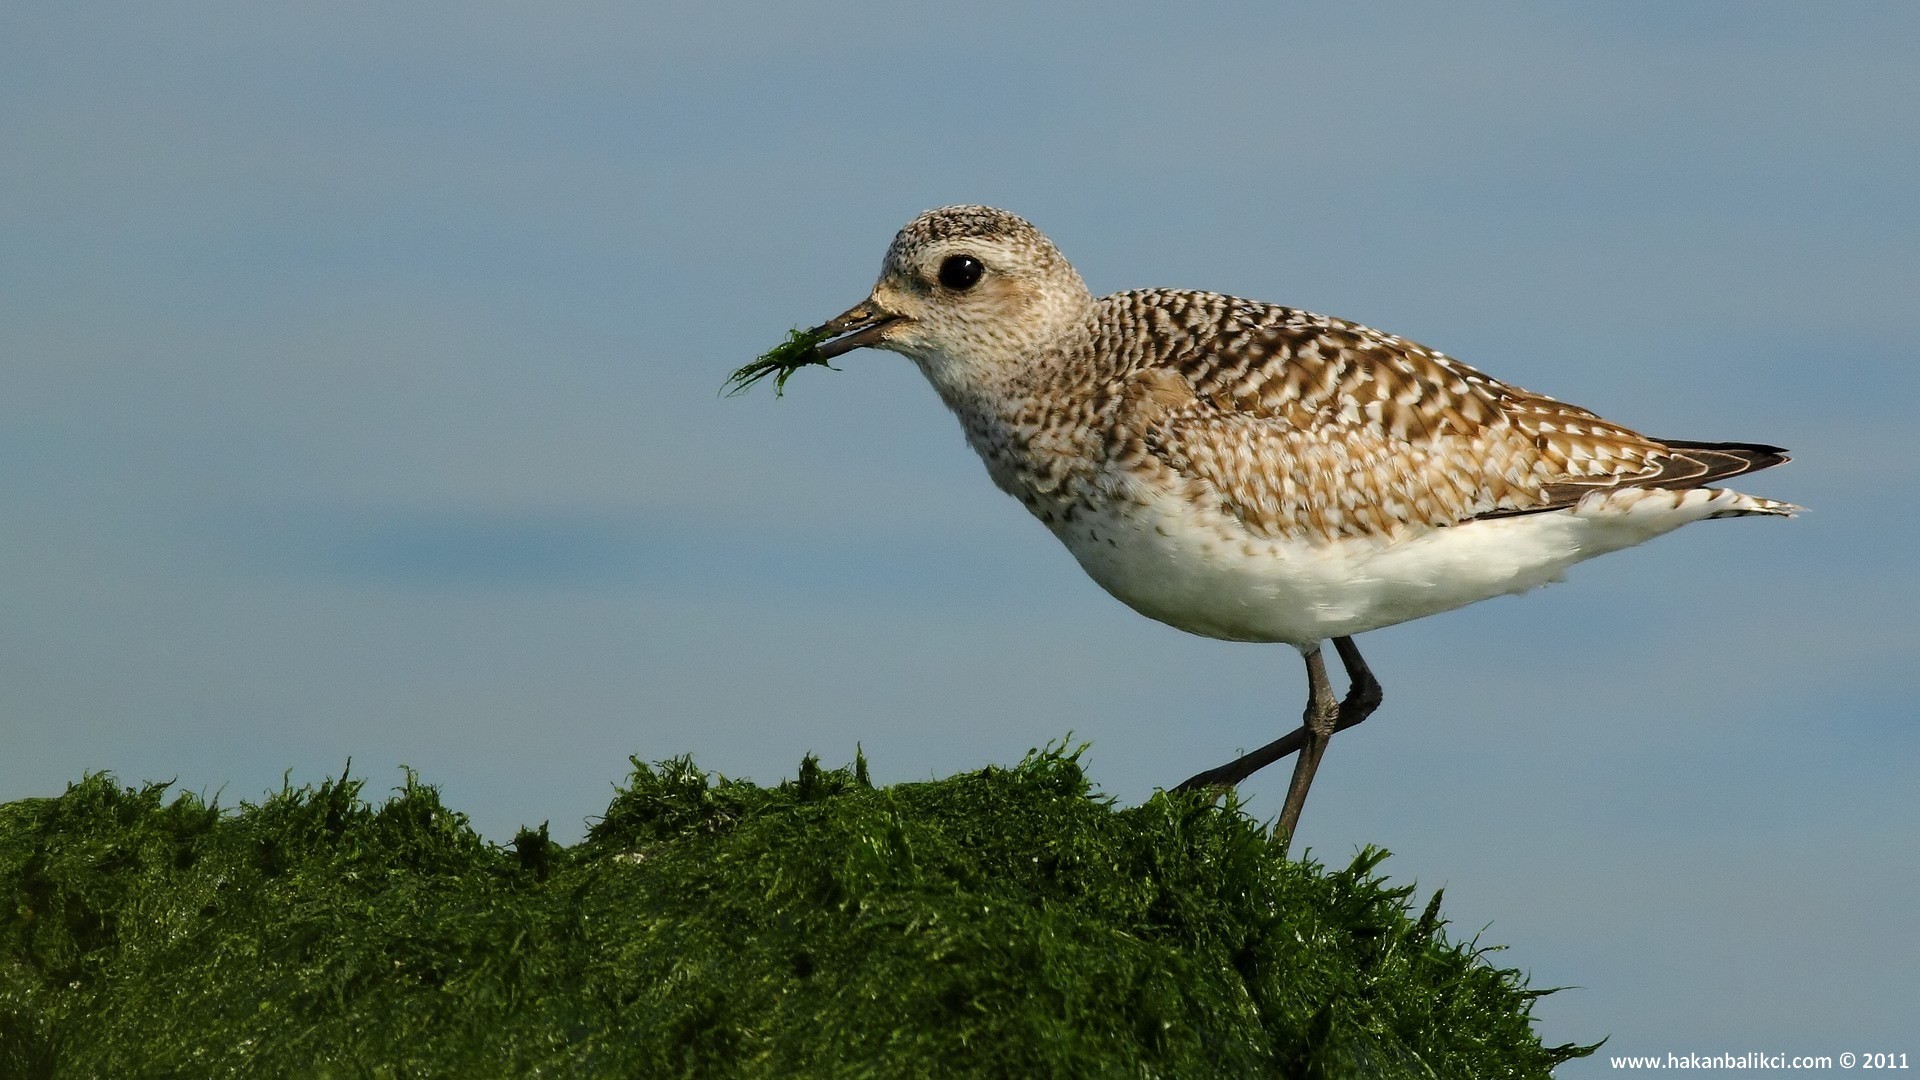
[{"x": 1252, "y": 472}]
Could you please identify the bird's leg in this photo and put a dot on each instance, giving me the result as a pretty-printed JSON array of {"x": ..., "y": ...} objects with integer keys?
[
  {"x": 1363, "y": 696},
  {"x": 1321, "y": 715},
  {"x": 1363, "y": 692},
  {"x": 1230, "y": 774}
]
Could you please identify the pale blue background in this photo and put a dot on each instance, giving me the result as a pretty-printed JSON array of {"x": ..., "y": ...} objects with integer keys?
[{"x": 358, "y": 399}]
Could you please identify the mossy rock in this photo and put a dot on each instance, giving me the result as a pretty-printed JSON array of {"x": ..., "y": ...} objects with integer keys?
[{"x": 1003, "y": 922}]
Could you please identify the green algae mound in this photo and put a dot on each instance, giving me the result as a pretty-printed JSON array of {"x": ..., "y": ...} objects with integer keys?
[{"x": 1002, "y": 922}]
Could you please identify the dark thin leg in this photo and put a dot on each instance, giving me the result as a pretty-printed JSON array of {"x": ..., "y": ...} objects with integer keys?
[
  {"x": 1363, "y": 696},
  {"x": 1322, "y": 712},
  {"x": 1363, "y": 693}
]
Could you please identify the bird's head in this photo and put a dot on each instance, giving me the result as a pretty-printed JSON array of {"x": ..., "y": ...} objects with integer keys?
[{"x": 969, "y": 293}]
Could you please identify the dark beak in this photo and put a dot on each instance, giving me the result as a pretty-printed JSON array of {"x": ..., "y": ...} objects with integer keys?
[{"x": 862, "y": 325}]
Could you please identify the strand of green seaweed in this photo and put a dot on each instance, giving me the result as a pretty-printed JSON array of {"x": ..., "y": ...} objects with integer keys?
[{"x": 801, "y": 349}]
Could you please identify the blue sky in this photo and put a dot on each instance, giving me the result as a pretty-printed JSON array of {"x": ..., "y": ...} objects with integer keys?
[{"x": 361, "y": 370}]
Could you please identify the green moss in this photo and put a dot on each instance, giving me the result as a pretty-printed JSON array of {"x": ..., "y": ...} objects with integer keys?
[
  {"x": 801, "y": 349},
  {"x": 1004, "y": 922}
]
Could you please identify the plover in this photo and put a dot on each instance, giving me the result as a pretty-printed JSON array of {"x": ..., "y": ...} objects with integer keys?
[{"x": 1253, "y": 472}]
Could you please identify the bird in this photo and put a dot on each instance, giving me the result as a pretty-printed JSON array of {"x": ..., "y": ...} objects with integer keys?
[{"x": 1253, "y": 472}]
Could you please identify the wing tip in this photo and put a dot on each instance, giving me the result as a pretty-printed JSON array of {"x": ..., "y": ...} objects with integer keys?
[{"x": 1749, "y": 457}]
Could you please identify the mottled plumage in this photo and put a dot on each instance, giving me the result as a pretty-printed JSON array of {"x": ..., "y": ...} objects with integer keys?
[
  {"x": 1259, "y": 473},
  {"x": 1313, "y": 428}
]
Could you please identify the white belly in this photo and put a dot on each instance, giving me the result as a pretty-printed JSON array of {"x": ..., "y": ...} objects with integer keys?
[{"x": 1214, "y": 579}]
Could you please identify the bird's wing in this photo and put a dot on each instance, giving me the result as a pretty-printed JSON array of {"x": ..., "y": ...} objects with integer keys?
[{"x": 1307, "y": 426}]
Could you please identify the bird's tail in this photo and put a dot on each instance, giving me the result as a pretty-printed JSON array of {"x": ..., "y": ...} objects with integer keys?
[
  {"x": 1705, "y": 462},
  {"x": 1734, "y": 504}
]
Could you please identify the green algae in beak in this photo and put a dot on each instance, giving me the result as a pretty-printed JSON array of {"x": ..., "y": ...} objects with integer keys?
[
  {"x": 801, "y": 349},
  {"x": 863, "y": 325}
]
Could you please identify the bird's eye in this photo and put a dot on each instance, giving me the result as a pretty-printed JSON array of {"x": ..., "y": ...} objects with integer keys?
[{"x": 959, "y": 272}]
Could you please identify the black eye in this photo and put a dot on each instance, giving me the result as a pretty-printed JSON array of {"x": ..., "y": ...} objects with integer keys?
[{"x": 959, "y": 272}]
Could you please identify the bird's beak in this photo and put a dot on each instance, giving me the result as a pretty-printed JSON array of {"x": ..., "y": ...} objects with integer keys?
[{"x": 862, "y": 325}]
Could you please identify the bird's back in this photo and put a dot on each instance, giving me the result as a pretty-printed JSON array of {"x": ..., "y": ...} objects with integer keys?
[{"x": 1311, "y": 427}]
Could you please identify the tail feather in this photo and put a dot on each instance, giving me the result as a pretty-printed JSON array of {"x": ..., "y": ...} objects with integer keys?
[
  {"x": 1688, "y": 466},
  {"x": 1742, "y": 505}
]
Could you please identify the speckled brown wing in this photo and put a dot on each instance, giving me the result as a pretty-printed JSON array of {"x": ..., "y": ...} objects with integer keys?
[{"x": 1303, "y": 426}]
